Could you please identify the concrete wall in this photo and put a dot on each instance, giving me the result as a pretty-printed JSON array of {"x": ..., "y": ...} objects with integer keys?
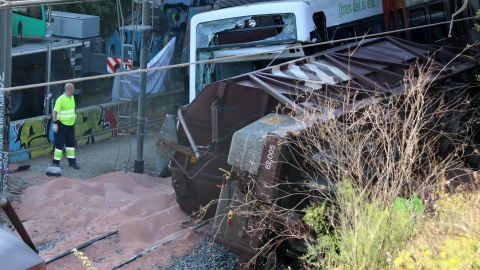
[{"x": 33, "y": 137}]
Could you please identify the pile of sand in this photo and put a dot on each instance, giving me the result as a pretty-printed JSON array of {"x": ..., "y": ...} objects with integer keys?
[{"x": 142, "y": 208}]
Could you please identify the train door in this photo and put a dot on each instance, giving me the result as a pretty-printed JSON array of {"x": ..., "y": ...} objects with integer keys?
[{"x": 402, "y": 22}]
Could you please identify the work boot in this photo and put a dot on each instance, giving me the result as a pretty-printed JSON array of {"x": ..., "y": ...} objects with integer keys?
[
  {"x": 55, "y": 165},
  {"x": 75, "y": 166}
]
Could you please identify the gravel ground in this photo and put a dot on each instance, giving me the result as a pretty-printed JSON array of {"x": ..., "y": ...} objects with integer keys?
[
  {"x": 115, "y": 154},
  {"x": 203, "y": 257}
]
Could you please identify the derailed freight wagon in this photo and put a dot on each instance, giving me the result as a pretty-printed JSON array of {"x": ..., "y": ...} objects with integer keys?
[{"x": 237, "y": 125}]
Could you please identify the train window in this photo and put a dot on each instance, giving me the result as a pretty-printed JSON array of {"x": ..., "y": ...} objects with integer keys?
[
  {"x": 461, "y": 24},
  {"x": 391, "y": 21},
  {"x": 437, "y": 15},
  {"x": 344, "y": 32},
  {"x": 401, "y": 24},
  {"x": 373, "y": 26},
  {"x": 418, "y": 18}
]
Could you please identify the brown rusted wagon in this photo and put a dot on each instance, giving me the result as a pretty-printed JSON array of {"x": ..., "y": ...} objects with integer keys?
[{"x": 236, "y": 125}]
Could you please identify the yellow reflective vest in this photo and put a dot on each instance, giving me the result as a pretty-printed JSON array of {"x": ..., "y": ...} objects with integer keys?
[{"x": 65, "y": 108}]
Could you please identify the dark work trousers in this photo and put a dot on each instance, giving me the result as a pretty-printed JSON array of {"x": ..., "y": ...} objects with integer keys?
[{"x": 64, "y": 137}]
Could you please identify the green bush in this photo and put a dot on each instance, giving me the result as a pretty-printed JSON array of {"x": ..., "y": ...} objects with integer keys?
[{"x": 361, "y": 234}]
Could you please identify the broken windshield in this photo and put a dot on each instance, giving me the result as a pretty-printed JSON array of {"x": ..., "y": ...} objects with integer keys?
[{"x": 247, "y": 30}]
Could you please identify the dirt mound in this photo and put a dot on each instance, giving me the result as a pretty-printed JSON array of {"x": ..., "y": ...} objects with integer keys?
[{"x": 66, "y": 212}]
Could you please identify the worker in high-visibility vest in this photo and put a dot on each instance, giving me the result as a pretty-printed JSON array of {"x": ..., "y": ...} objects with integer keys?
[{"x": 63, "y": 126}]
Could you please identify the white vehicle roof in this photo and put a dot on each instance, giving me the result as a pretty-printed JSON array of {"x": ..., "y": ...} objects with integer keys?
[
  {"x": 262, "y": 8},
  {"x": 336, "y": 12}
]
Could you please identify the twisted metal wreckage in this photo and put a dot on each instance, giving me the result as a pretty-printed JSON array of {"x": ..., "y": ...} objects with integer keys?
[{"x": 233, "y": 124}]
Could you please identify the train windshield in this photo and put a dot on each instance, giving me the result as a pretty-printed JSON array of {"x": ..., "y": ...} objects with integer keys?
[
  {"x": 218, "y": 36},
  {"x": 246, "y": 31}
]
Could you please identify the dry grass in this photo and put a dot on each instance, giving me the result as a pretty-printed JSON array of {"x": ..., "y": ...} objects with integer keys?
[
  {"x": 376, "y": 158},
  {"x": 392, "y": 149}
]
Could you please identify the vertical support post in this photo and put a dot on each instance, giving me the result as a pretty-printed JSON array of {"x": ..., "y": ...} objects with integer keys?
[
  {"x": 139, "y": 162},
  {"x": 5, "y": 80},
  {"x": 48, "y": 98}
]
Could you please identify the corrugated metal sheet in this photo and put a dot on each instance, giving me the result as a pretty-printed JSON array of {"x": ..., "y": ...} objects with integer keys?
[{"x": 373, "y": 70}]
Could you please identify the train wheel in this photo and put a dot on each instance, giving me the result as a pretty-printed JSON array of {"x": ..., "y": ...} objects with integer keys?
[{"x": 19, "y": 100}]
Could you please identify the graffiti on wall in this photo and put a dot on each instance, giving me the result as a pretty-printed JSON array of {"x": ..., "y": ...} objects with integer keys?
[
  {"x": 29, "y": 133},
  {"x": 90, "y": 122},
  {"x": 34, "y": 137}
]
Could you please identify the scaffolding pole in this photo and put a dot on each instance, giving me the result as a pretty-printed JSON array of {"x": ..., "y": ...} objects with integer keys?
[
  {"x": 139, "y": 162},
  {"x": 5, "y": 80}
]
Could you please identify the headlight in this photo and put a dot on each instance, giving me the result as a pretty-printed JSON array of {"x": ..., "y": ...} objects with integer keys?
[
  {"x": 241, "y": 25},
  {"x": 252, "y": 23}
]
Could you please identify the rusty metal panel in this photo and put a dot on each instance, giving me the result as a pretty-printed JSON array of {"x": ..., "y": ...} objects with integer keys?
[
  {"x": 233, "y": 230},
  {"x": 224, "y": 124},
  {"x": 373, "y": 69},
  {"x": 196, "y": 180}
]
